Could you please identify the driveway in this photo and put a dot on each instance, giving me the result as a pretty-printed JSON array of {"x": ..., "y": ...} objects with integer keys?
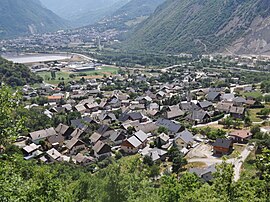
[{"x": 237, "y": 162}]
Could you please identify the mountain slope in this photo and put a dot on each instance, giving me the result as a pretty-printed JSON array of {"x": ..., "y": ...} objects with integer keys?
[
  {"x": 202, "y": 26},
  {"x": 83, "y": 12},
  {"x": 26, "y": 17},
  {"x": 137, "y": 8}
]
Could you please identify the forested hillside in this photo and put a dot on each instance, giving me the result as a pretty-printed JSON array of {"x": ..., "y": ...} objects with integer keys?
[
  {"x": 27, "y": 17},
  {"x": 16, "y": 74},
  {"x": 204, "y": 26}
]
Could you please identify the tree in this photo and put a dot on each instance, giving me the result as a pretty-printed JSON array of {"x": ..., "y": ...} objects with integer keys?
[
  {"x": 11, "y": 123},
  {"x": 263, "y": 164},
  {"x": 247, "y": 121},
  {"x": 228, "y": 122}
]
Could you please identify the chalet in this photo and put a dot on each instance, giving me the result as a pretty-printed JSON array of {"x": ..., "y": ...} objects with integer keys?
[
  {"x": 170, "y": 125},
  {"x": 205, "y": 173},
  {"x": 101, "y": 150},
  {"x": 205, "y": 105},
  {"x": 83, "y": 123},
  {"x": 239, "y": 101},
  {"x": 64, "y": 130},
  {"x": 95, "y": 137},
  {"x": 77, "y": 133},
  {"x": 41, "y": 135},
  {"x": 241, "y": 136},
  {"x": 75, "y": 145},
  {"x": 146, "y": 127},
  {"x": 92, "y": 107},
  {"x": 155, "y": 153},
  {"x": 55, "y": 139},
  {"x": 81, "y": 108},
  {"x": 31, "y": 149},
  {"x": 162, "y": 139},
  {"x": 55, "y": 98},
  {"x": 133, "y": 116},
  {"x": 222, "y": 146},
  {"x": 198, "y": 117},
  {"x": 118, "y": 137},
  {"x": 224, "y": 107},
  {"x": 174, "y": 112},
  {"x": 54, "y": 155},
  {"x": 237, "y": 112},
  {"x": 83, "y": 160},
  {"x": 227, "y": 97},
  {"x": 134, "y": 143},
  {"x": 213, "y": 96},
  {"x": 184, "y": 140},
  {"x": 107, "y": 118}
]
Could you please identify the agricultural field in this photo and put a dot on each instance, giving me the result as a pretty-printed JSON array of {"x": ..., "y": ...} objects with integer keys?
[{"x": 65, "y": 76}]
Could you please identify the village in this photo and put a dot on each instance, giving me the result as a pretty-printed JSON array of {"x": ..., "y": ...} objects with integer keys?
[{"x": 160, "y": 115}]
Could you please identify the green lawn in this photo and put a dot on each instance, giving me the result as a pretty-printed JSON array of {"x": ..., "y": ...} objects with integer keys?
[
  {"x": 59, "y": 75},
  {"x": 253, "y": 115},
  {"x": 255, "y": 94},
  {"x": 249, "y": 167},
  {"x": 237, "y": 150}
]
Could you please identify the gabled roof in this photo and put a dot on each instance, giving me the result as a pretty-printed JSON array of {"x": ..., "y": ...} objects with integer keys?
[
  {"x": 54, "y": 154},
  {"x": 186, "y": 136},
  {"x": 239, "y": 100},
  {"x": 205, "y": 104},
  {"x": 95, "y": 137},
  {"x": 237, "y": 110},
  {"x": 164, "y": 137},
  {"x": 99, "y": 146},
  {"x": 198, "y": 115},
  {"x": 40, "y": 134},
  {"x": 170, "y": 125},
  {"x": 202, "y": 171},
  {"x": 103, "y": 129},
  {"x": 241, "y": 133},
  {"x": 141, "y": 136},
  {"x": 82, "y": 123},
  {"x": 222, "y": 142},
  {"x": 135, "y": 142},
  {"x": 212, "y": 96},
  {"x": 62, "y": 129},
  {"x": 71, "y": 143}
]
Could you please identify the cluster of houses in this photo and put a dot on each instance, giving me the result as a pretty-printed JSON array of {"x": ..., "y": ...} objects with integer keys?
[{"x": 112, "y": 121}]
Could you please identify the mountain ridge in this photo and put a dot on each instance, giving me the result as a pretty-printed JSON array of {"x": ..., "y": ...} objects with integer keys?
[
  {"x": 205, "y": 26},
  {"x": 27, "y": 17}
]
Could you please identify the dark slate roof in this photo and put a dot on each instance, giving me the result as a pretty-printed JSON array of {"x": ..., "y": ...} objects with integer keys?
[
  {"x": 135, "y": 115},
  {"x": 237, "y": 110},
  {"x": 202, "y": 171},
  {"x": 102, "y": 129},
  {"x": 187, "y": 106},
  {"x": 186, "y": 136},
  {"x": 81, "y": 123},
  {"x": 212, "y": 95},
  {"x": 240, "y": 100},
  {"x": 205, "y": 104},
  {"x": 221, "y": 142},
  {"x": 197, "y": 115},
  {"x": 170, "y": 125}
]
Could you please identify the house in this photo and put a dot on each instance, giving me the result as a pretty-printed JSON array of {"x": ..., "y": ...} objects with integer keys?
[
  {"x": 30, "y": 149},
  {"x": 227, "y": 97},
  {"x": 205, "y": 105},
  {"x": 80, "y": 108},
  {"x": 101, "y": 150},
  {"x": 134, "y": 143},
  {"x": 213, "y": 96},
  {"x": 237, "y": 112},
  {"x": 55, "y": 139},
  {"x": 146, "y": 127},
  {"x": 64, "y": 130},
  {"x": 83, "y": 160},
  {"x": 55, "y": 98},
  {"x": 118, "y": 137},
  {"x": 154, "y": 153},
  {"x": 162, "y": 139},
  {"x": 75, "y": 145},
  {"x": 222, "y": 146},
  {"x": 184, "y": 140},
  {"x": 84, "y": 123},
  {"x": 41, "y": 135},
  {"x": 54, "y": 155},
  {"x": 241, "y": 136},
  {"x": 198, "y": 116},
  {"x": 170, "y": 125},
  {"x": 77, "y": 133},
  {"x": 107, "y": 118},
  {"x": 133, "y": 116},
  {"x": 174, "y": 112},
  {"x": 204, "y": 173},
  {"x": 224, "y": 107},
  {"x": 95, "y": 137},
  {"x": 239, "y": 101}
]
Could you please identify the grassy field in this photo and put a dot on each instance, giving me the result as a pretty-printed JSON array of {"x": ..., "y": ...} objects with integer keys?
[
  {"x": 237, "y": 150},
  {"x": 64, "y": 76},
  {"x": 249, "y": 167},
  {"x": 253, "y": 115},
  {"x": 255, "y": 94}
]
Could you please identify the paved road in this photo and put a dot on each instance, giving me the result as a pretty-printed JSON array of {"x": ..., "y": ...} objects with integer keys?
[{"x": 237, "y": 162}]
